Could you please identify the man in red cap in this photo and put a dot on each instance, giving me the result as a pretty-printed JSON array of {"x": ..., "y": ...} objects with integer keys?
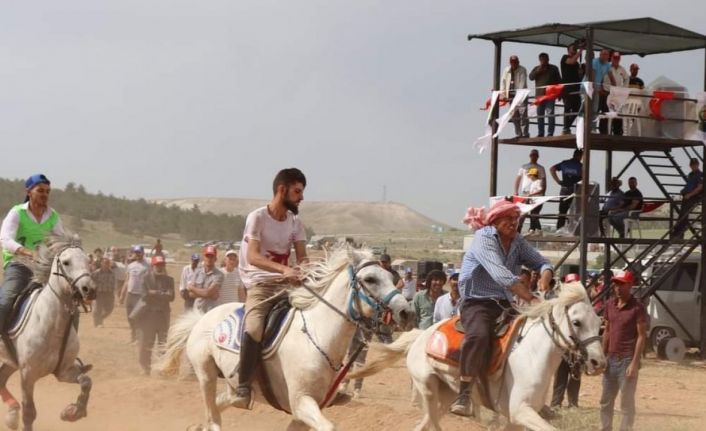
[
  {"x": 154, "y": 323},
  {"x": 635, "y": 82},
  {"x": 489, "y": 279},
  {"x": 623, "y": 341},
  {"x": 206, "y": 281}
]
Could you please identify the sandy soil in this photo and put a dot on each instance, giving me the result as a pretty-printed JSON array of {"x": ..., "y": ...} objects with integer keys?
[{"x": 670, "y": 397}]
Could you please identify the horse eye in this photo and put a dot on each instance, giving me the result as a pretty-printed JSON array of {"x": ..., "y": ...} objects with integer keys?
[
  {"x": 576, "y": 323},
  {"x": 370, "y": 280},
  {"x": 66, "y": 262}
]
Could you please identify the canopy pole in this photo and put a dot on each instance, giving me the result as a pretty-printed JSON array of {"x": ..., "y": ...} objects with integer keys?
[
  {"x": 585, "y": 174},
  {"x": 494, "y": 122}
]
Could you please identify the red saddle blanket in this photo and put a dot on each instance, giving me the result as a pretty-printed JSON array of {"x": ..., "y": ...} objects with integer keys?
[{"x": 445, "y": 344}]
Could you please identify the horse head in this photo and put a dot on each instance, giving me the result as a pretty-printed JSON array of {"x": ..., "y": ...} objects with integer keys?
[
  {"x": 373, "y": 292},
  {"x": 580, "y": 326},
  {"x": 62, "y": 263}
]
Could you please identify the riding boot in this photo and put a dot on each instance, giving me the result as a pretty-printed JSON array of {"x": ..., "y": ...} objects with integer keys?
[
  {"x": 462, "y": 405},
  {"x": 249, "y": 359}
]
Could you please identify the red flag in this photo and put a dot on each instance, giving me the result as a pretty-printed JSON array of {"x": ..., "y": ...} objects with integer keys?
[
  {"x": 551, "y": 92},
  {"x": 501, "y": 102},
  {"x": 656, "y": 103}
]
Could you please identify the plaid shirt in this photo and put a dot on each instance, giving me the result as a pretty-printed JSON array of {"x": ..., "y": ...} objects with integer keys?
[{"x": 487, "y": 272}]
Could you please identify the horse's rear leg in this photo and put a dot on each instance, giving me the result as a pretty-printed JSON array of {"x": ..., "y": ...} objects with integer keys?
[
  {"x": 207, "y": 373},
  {"x": 429, "y": 392},
  {"x": 76, "y": 374},
  {"x": 12, "y": 418},
  {"x": 306, "y": 409}
]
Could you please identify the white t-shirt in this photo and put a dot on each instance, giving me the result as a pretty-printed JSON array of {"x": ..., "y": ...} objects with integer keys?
[
  {"x": 526, "y": 182},
  {"x": 276, "y": 240},
  {"x": 621, "y": 76},
  {"x": 535, "y": 187},
  {"x": 409, "y": 289},
  {"x": 229, "y": 289}
]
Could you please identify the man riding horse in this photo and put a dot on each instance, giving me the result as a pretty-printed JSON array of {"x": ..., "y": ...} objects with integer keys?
[
  {"x": 23, "y": 229},
  {"x": 489, "y": 279},
  {"x": 270, "y": 233}
]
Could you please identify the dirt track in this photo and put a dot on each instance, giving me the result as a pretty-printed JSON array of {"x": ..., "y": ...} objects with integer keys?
[{"x": 669, "y": 397}]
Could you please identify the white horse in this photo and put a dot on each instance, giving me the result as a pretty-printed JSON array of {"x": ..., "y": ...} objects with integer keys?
[
  {"x": 565, "y": 325},
  {"x": 348, "y": 286},
  {"x": 48, "y": 342}
]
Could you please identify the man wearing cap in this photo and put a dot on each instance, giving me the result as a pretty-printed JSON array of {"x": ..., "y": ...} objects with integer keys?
[
  {"x": 616, "y": 76},
  {"x": 135, "y": 286},
  {"x": 25, "y": 226},
  {"x": 524, "y": 187},
  {"x": 447, "y": 304},
  {"x": 205, "y": 283},
  {"x": 487, "y": 284},
  {"x": 104, "y": 279},
  {"x": 691, "y": 196},
  {"x": 154, "y": 324},
  {"x": 515, "y": 78},
  {"x": 623, "y": 341},
  {"x": 571, "y": 173},
  {"x": 270, "y": 233},
  {"x": 409, "y": 287},
  {"x": 232, "y": 289},
  {"x": 186, "y": 274},
  {"x": 635, "y": 82}
]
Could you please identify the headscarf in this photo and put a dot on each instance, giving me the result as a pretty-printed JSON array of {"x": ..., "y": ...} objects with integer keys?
[{"x": 478, "y": 218}]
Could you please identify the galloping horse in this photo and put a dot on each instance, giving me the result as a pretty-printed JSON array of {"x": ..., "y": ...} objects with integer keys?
[
  {"x": 47, "y": 342},
  {"x": 565, "y": 325},
  {"x": 347, "y": 288}
]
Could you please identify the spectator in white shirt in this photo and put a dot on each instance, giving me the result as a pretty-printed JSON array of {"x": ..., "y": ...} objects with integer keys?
[
  {"x": 186, "y": 274},
  {"x": 232, "y": 289},
  {"x": 410, "y": 285},
  {"x": 447, "y": 305}
]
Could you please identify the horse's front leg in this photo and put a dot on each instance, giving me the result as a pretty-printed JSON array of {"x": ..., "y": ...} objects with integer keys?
[
  {"x": 76, "y": 374},
  {"x": 526, "y": 416},
  {"x": 29, "y": 412},
  {"x": 306, "y": 410}
]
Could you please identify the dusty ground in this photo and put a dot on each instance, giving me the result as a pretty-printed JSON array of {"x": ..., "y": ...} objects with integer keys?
[{"x": 670, "y": 397}]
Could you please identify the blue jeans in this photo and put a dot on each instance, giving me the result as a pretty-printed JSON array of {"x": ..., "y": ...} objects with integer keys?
[
  {"x": 17, "y": 278},
  {"x": 546, "y": 108},
  {"x": 614, "y": 380}
]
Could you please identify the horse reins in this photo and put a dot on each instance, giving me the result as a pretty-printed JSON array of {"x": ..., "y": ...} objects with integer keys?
[{"x": 574, "y": 350}]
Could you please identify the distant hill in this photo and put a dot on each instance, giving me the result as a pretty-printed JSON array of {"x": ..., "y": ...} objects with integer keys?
[{"x": 326, "y": 217}]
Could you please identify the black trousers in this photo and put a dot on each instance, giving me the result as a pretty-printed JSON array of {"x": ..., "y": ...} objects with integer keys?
[
  {"x": 153, "y": 327},
  {"x": 563, "y": 382},
  {"x": 534, "y": 220},
  {"x": 683, "y": 224},
  {"x": 105, "y": 302},
  {"x": 564, "y": 207},
  {"x": 572, "y": 104},
  {"x": 17, "y": 278},
  {"x": 478, "y": 317}
]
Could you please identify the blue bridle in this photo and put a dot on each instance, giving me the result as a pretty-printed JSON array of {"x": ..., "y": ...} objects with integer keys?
[{"x": 360, "y": 293}]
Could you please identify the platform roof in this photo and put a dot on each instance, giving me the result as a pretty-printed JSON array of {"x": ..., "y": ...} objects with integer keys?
[{"x": 641, "y": 36}]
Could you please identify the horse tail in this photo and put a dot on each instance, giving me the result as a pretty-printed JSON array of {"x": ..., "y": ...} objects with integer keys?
[
  {"x": 386, "y": 354},
  {"x": 170, "y": 359}
]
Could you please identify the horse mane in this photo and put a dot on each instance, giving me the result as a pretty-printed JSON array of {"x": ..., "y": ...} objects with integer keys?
[
  {"x": 568, "y": 294},
  {"x": 318, "y": 274},
  {"x": 54, "y": 244}
]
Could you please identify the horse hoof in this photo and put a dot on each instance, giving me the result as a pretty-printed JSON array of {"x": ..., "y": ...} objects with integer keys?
[
  {"x": 12, "y": 418},
  {"x": 73, "y": 412},
  {"x": 196, "y": 427}
]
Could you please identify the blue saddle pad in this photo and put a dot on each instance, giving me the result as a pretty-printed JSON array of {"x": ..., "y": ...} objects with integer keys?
[
  {"x": 229, "y": 333},
  {"x": 20, "y": 316}
]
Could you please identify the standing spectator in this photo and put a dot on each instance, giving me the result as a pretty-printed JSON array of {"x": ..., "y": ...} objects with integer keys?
[
  {"x": 232, "y": 289},
  {"x": 386, "y": 262},
  {"x": 186, "y": 273},
  {"x": 104, "y": 279},
  {"x": 515, "y": 78},
  {"x": 545, "y": 74},
  {"x": 424, "y": 300},
  {"x": 157, "y": 249},
  {"x": 613, "y": 207},
  {"x": 447, "y": 304},
  {"x": 623, "y": 340},
  {"x": 135, "y": 286},
  {"x": 571, "y": 74},
  {"x": 571, "y": 173},
  {"x": 97, "y": 259},
  {"x": 154, "y": 323},
  {"x": 206, "y": 281},
  {"x": 523, "y": 187},
  {"x": 691, "y": 196},
  {"x": 120, "y": 272},
  {"x": 616, "y": 76},
  {"x": 635, "y": 82},
  {"x": 600, "y": 67},
  {"x": 410, "y": 285}
]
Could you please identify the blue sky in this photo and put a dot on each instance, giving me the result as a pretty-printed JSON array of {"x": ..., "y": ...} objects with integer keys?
[{"x": 186, "y": 98}]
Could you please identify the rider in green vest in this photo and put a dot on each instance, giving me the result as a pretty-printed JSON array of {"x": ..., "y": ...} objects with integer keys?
[{"x": 25, "y": 226}]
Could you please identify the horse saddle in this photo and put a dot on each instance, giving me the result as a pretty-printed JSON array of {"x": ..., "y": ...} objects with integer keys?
[
  {"x": 20, "y": 309},
  {"x": 228, "y": 334},
  {"x": 444, "y": 345}
]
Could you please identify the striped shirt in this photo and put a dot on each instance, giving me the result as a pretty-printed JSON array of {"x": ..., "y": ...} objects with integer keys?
[
  {"x": 487, "y": 272},
  {"x": 229, "y": 291}
]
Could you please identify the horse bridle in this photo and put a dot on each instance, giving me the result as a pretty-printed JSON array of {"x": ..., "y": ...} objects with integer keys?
[
  {"x": 76, "y": 295},
  {"x": 574, "y": 350},
  {"x": 361, "y": 293}
]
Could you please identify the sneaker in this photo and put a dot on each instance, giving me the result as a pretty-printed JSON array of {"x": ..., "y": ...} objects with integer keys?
[
  {"x": 462, "y": 405},
  {"x": 566, "y": 132}
]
